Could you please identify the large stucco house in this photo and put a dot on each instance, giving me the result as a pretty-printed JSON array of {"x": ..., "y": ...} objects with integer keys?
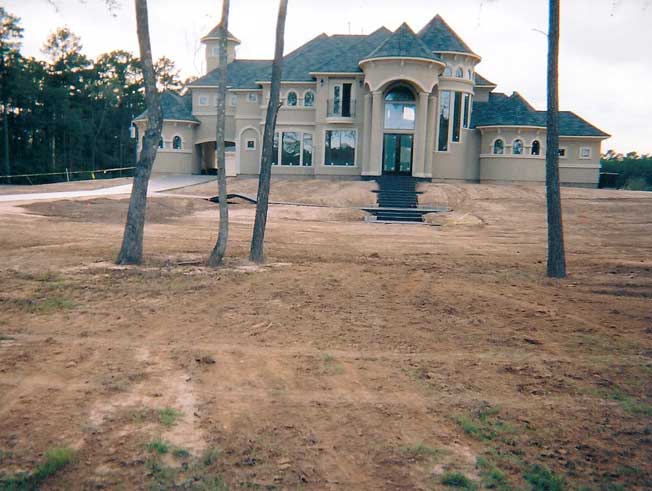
[{"x": 365, "y": 105}]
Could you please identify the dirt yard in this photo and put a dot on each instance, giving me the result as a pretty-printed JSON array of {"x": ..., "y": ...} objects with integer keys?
[{"x": 361, "y": 357}]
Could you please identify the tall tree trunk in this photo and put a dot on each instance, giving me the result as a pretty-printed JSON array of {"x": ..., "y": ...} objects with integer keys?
[
  {"x": 5, "y": 131},
  {"x": 131, "y": 251},
  {"x": 219, "y": 250},
  {"x": 556, "y": 254},
  {"x": 257, "y": 241}
]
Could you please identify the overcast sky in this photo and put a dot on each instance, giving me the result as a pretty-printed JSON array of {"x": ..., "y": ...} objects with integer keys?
[{"x": 605, "y": 60}]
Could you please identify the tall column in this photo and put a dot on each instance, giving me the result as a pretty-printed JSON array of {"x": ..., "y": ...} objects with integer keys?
[
  {"x": 420, "y": 136},
  {"x": 376, "y": 140},
  {"x": 366, "y": 135},
  {"x": 430, "y": 138}
]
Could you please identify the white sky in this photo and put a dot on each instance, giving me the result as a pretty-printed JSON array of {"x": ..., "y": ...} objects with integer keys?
[{"x": 605, "y": 60}]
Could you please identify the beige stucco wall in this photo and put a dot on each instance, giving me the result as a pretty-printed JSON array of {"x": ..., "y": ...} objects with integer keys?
[
  {"x": 249, "y": 159},
  {"x": 423, "y": 74},
  {"x": 168, "y": 160}
]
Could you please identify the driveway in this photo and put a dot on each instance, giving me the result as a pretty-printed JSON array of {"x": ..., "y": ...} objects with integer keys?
[{"x": 157, "y": 184}]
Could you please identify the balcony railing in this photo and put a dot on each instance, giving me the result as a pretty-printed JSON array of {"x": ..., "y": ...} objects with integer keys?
[{"x": 339, "y": 109}]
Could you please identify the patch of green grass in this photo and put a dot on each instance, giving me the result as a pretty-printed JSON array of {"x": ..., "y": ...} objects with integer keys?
[
  {"x": 491, "y": 476},
  {"x": 164, "y": 475},
  {"x": 55, "y": 459},
  {"x": 180, "y": 453},
  {"x": 422, "y": 450},
  {"x": 456, "y": 479},
  {"x": 543, "y": 479},
  {"x": 484, "y": 424},
  {"x": 211, "y": 483},
  {"x": 628, "y": 403},
  {"x": 168, "y": 416},
  {"x": 158, "y": 446},
  {"x": 210, "y": 456},
  {"x": 54, "y": 304},
  {"x": 6, "y": 337}
]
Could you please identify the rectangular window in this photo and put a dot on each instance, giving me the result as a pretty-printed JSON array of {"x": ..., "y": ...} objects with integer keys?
[
  {"x": 203, "y": 100},
  {"x": 291, "y": 150},
  {"x": 337, "y": 100},
  {"x": 562, "y": 153},
  {"x": 252, "y": 97},
  {"x": 234, "y": 100},
  {"x": 468, "y": 121},
  {"x": 457, "y": 116},
  {"x": 251, "y": 144},
  {"x": 307, "y": 149},
  {"x": 342, "y": 104},
  {"x": 346, "y": 100},
  {"x": 444, "y": 119},
  {"x": 585, "y": 153},
  {"x": 275, "y": 150},
  {"x": 340, "y": 147},
  {"x": 400, "y": 116},
  {"x": 467, "y": 107}
]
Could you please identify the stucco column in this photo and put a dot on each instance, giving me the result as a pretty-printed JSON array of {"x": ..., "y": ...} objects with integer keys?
[
  {"x": 420, "y": 136},
  {"x": 430, "y": 137},
  {"x": 376, "y": 140},
  {"x": 366, "y": 134}
]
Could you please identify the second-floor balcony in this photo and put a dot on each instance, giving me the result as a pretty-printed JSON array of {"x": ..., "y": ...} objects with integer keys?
[{"x": 341, "y": 109}]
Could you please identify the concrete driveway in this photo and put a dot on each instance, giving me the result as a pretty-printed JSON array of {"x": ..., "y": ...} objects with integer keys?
[{"x": 157, "y": 184}]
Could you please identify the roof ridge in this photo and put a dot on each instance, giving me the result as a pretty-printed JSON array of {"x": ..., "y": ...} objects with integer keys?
[
  {"x": 442, "y": 37},
  {"x": 395, "y": 46}
]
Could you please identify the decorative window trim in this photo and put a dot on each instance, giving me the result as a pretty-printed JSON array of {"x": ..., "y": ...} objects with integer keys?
[
  {"x": 250, "y": 140},
  {"x": 514, "y": 145},
  {"x": 279, "y": 154},
  {"x": 590, "y": 153},
  {"x": 459, "y": 72},
  {"x": 252, "y": 97},
  {"x": 296, "y": 98},
  {"x": 532, "y": 146},
  {"x": 313, "y": 98},
  {"x": 203, "y": 100},
  {"x": 565, "y": 150},
  {"x": 233, "y": 100},
  {"x": 181, "y": 143}
]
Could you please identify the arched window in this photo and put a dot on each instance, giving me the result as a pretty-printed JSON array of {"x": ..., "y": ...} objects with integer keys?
[
  {"x": 309, "y": 99},
  {"x": 499, "y": 147},
  {"x": 448, "y": 72},
  {"x": 517, "y": 147},
  {"x": 177, "y": 144},
  {"x": 536, "y": 148},
  {"x": 400, "y": 108},
  {"x": 400, "y": 93},
  {"x": 161, "y": 144},
  {"x": 459, "y": 73},
  {"x": 292, "y": 98}
]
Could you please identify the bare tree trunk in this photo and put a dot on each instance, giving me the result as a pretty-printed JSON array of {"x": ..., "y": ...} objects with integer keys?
[
  {"x": 131, "y": 251},
  {"x": 5, "y": 130},
  {"x": 219, "y": 250},
  {"x": 257, "y": 241},
  {"x": 556, "y": 254}
]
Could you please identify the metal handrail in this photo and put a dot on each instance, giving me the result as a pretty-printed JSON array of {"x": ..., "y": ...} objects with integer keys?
[{"x": 332, "y": 113}]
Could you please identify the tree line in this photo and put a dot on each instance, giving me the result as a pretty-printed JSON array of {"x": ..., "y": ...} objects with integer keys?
[
  {"x": 631, "y": 171},
  {"x": 69, "y": 111}
]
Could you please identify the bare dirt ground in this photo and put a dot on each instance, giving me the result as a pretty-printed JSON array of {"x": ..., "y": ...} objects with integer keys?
[
  {"x": 64, "y": 186},
  {"x": 361, "y": 357}
]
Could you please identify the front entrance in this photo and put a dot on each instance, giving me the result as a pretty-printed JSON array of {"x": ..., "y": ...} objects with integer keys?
[{"x": 397, "y": 154}]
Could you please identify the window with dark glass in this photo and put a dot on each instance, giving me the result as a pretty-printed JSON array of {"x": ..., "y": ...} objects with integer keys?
[
  {"x": 275, "y": 150},
  {"x": 517, "y": 147},
  {"x": 177, "y": 144},
  {"x": 459, "y": 73},
  {"x": 457, "y": 116},
  {"x": 536, "y": 148},
  {"x": 340, "y": 147},
  {"x": 444, "y": 119},
  {"x": 161, "y": 144},
  {"x": 337, "y": 99},
  {"x": 499, "y": 147},
  {"x": 465, "y": 120},
  {"x": 307, "y": 149},
  {"x": 400, "y": 109},
  {"x": 309, "y": 99},
  {"x": 291, "y": 149},
  {"x": 292, "y": 98}
]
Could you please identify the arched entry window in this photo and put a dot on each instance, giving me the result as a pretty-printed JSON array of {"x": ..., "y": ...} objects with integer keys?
[
  {"x": 517, "y": 147},
  {"x": 499, "y": 147},
  {"x": 536, "y": 148},
  {"x": 400, "y": 108},
  {"x": 177, "y": 144}
]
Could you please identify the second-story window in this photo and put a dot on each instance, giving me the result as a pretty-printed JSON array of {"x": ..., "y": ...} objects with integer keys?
[
  {"x": 292, "y": 98},
  {"x": 341, "y": 102},
  {"x": 309, "y": 99}
]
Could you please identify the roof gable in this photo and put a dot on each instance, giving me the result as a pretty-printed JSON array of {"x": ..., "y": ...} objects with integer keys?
[
  {"x": 174, "y": 107},
  {"x": 402, "y": 43},
  {"x": 347, "y": 60},
  {"x": 439, "y": 36},
  {"x": 215, "y": 34}
]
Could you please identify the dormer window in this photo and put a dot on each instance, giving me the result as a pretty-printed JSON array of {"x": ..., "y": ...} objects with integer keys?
[{"x": 292, "y": 98}]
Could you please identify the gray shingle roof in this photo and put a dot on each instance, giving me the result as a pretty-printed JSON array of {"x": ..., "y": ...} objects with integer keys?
[
  {"x": 348, "y": 58},
  {"x": 439, "y": 36},
  {"x": 402, "y": 43},
  {"x": 514, "y": 110},
  {"x": 480, "y": 81},
  {"x": 215, "y": 33},
  {"x": 240, "y": 74},
  {"x": 174, "y": 107}
]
